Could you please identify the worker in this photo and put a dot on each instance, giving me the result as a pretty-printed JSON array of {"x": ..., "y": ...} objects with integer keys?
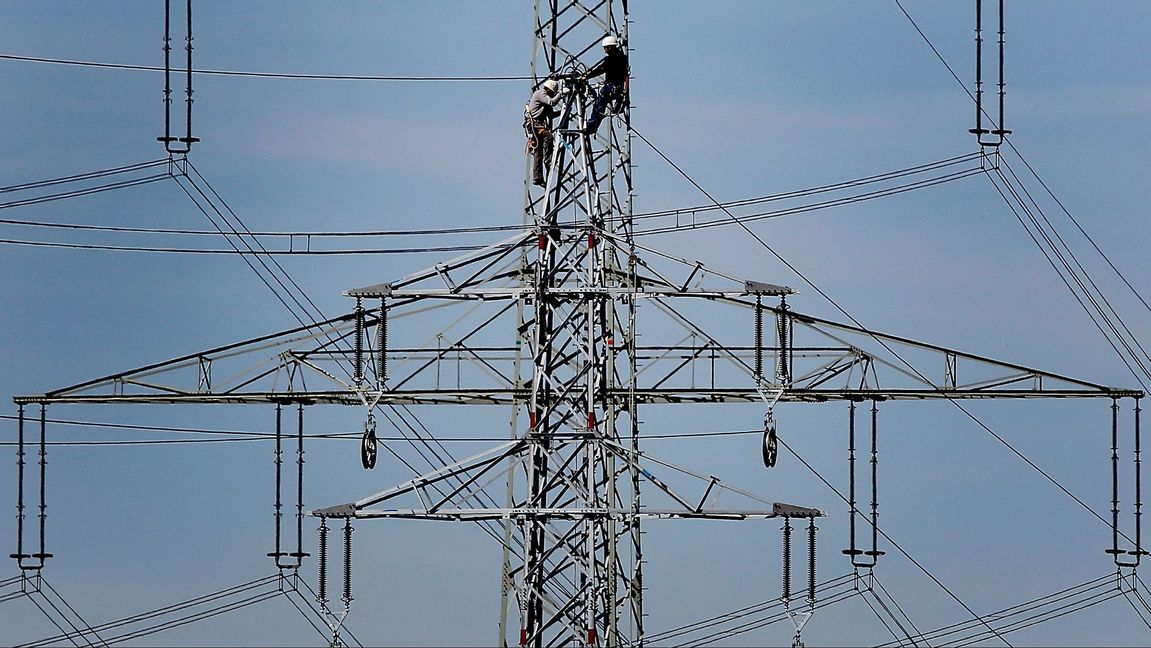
[
  {"x": 613, "y": 67},
  {"x": 540, "y": 110}
]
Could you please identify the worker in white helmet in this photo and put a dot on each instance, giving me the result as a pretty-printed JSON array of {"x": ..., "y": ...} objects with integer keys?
[
  {"x": 540, "y": 110},
  {"x": 613, "y": 67}
]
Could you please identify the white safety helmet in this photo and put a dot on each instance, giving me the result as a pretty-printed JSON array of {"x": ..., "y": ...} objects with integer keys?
[
  {"x": 610, "y": 41},
  {"x": 550, "y": 85}
]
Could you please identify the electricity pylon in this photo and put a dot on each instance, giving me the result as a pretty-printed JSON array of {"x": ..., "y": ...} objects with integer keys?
[
  {"x": 546, "y": 323},
  {"x": 572, "y": 514}
]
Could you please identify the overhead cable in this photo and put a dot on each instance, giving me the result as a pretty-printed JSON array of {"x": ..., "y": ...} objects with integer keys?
[
  {"x": 307, "y": 236},
  {"x": 1087, "y": 285},
  {"x": 836, "y": 186},
  {"x": 789, "y": 211},
  {"x": 241, "y": 232},
  {"x": 85, "y": 192},
  {"x": 898, "y": 607},
  {"x": 265, "y": 75},
  {"x": 299, "y": 243},
  {"x": 763, "y": 622},
  {"x": 272, "y": 582},
  {"x": 255, "y": 435},
  {"x": 1075, "y": 283},
  {"x": 40, "y": 592},
  {"x": 84, "y": 176},
  {"x": 879, "y": 340},
  {"x": 665, "y": 213},
  {"x": 855, "y": 511},
  {"x": 1020, "y": 608},
  {"x": 219, "y": 251},
  {"x": 740, "y": 613},
  {"x": 1082, "y": 231},
  {"x": 883, "y": 620},
  {"x": 1029, "y": 167}
]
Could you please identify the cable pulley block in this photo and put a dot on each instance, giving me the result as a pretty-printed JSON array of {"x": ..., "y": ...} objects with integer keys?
[
  {"x": 368, "y": 449},
  {"x": 770, "y": 442}
]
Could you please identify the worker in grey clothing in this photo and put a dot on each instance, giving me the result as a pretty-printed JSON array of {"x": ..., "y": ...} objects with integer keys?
[{"x": 541, "y": 109}]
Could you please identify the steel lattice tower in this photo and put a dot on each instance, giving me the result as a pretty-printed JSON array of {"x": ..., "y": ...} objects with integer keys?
[{"x": 576, "y": 407}]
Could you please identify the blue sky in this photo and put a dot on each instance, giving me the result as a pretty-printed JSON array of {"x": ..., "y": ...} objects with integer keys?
[{"x": 749, "y": 98}]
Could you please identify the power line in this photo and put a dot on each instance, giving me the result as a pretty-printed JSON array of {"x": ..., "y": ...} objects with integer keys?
[
  {"x": 999, "y": 438},
  {"x": 85, "y": 176},
  {"x": 800, "y": 193},
  {"x": 260, "y": 436},
  {"x": 740, "y": 613},
  {"x": 910, "y": 367},
  {"x": 956, "y": 403},
  {"x": 829, "y": 299},
  {"x": 1011, "y": 611},
  {"x": 838, "y": 202},
  {"x": 1034, "y": 173},
  {"x": 1078, "y": 226},
  {"x": 267, "y": 234},
  {"x": 124, "y": 184},
  {"x": 893, "y": 601},
  {"x": 1082, "y": 271},
  {"x": 217, "y": 251},
  {"x": 264, "y": 75},
  {"x": 665, "y": 213},
  {"x": 1071, "y": 276},
  {"x": 900, "y": 549},
  {"x": 307, "y": 237}
]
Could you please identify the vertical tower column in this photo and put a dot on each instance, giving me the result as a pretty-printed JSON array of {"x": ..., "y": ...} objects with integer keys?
[{"x": 579, "y": 579}]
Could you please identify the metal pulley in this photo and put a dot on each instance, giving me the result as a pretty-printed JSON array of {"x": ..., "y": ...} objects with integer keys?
[
  {"x": 770, "y": 442},
  {"x": 368, "y": 444}
]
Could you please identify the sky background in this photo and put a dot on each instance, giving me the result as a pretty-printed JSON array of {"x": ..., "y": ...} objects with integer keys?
[{"x": 749, "y": 98}]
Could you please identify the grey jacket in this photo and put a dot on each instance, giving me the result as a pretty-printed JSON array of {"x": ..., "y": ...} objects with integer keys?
[{"x": 542, "y": 105}]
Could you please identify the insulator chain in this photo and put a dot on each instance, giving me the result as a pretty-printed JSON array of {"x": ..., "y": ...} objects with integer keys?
[
  {"x": 1137, "y": 552},
  {"x": 783, "y": 323},
  {"x": 322, "y": 594},
  {"x": 758, "y": 338},
  {"x": 382, "y": 345},
  {"x": 875, "y": 553},
  {"x": 299, "y": 554},
  {"x": 799, "y": 618},
  {"x": 167, "y": 138},
  {"x": 22, "y": 554},
  {"x": 347, "y": 599},
  {"x": 358, "y": 376},
  {"x": 279, "y": 506},
  {"x": 811, "y": 529},
  {"x": 979, "y": 131},
  {"x": 854, "y": 552},
  {"x": 43, "y": 555},
  {"x": 19, "y": 556},
  {"x": 786, "y": 560}
]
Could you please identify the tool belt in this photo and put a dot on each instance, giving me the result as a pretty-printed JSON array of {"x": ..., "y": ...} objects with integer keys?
[{"x": 536, "y": 129}]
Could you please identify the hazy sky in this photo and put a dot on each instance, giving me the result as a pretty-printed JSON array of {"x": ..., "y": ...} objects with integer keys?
[{"x": 750, "y": 98}]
